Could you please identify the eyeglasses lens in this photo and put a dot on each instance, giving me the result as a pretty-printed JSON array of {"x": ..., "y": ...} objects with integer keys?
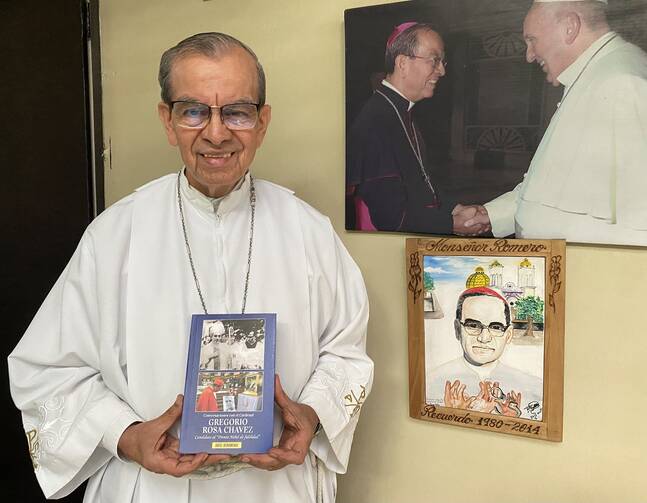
[
  {"x": 192, "y": 115},
  {"x": 240, "y": 116},
  {"x": 476, "y": 327},
  {"x": 236, "y": 116}
]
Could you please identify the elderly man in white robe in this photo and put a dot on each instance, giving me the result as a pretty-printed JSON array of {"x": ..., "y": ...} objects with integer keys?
[
  {"x": 99, "y": 371},
  {"x": 253, "y": 351},
  {"x": 588, "y": 178},
  {"x": 209, "y": 353}
]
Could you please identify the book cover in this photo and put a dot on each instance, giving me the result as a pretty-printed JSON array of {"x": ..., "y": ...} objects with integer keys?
[{"x": 229, "y": 387}]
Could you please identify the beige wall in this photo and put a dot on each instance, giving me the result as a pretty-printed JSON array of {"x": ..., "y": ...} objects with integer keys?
[{"x": 395, "y": 458}]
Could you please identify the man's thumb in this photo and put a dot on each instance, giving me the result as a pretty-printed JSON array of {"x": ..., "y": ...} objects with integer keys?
[{"x": 172, "y": 414}]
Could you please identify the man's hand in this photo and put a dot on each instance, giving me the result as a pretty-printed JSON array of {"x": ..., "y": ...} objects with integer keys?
[
  {"x": 471, "y": 220},
  {"x": 150, "y": 445},
  {"x": 299, "y": 423},
  {"x": 456, "y": 397},
  {"x": 510, "y": 406},
  {"x": 484, "y": 400}
]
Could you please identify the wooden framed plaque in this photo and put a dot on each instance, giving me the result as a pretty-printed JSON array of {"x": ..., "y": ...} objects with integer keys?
[{"x": 486, "y": 334}]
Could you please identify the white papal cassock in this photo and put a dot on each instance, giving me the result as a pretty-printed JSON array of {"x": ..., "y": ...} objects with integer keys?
[
  {"x": 109, "y": 344},
  {"x": 587, "y": 182}
]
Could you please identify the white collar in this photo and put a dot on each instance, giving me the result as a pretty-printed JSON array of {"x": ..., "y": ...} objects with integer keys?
[
  {"x": 568, "y": 76},
  {"x": 386, "y": 83},
  {"x": 215, "y": 205},
  {"x": 483, "y": 371}
]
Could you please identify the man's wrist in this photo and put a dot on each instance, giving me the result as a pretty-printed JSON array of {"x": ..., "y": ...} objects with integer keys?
[
  {"x": 312, "y": 416},
  {"x": 124, "y": 439},
  {"x": 123, "y": 418}
]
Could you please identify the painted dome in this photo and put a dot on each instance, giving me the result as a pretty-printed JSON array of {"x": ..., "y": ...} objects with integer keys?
[{"x": 477, "y": 279}]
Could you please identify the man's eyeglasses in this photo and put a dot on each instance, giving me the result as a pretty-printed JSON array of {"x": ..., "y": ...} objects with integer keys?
[
  {"x": 475, "y": 327},
  {"x": 434, "y": 60},
  {"x": 196, "y": 115}
]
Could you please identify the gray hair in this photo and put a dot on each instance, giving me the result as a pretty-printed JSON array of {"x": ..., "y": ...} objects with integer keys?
[
  {"x": 406, "y": 43},
  {"x": 592, "y": 12},
  {"x": 212, "y": 45}
]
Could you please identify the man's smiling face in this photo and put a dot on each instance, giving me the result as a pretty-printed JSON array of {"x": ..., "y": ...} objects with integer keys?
[
  {"x": 215, "y": 156},
  {"x": 425, "y": 69},
  {"x": 545, "y": 44}
]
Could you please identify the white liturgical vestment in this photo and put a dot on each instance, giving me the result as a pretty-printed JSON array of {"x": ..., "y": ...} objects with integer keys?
[
  {"x": 587, "y": 182},
  {"x": 108, "y": 346}
]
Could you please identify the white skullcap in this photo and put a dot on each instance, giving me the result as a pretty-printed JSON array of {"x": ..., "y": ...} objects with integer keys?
[{"x": 550, "y": 1}]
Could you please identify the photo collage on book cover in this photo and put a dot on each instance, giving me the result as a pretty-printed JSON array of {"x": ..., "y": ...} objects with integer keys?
[{"x": 232, "y": 355}]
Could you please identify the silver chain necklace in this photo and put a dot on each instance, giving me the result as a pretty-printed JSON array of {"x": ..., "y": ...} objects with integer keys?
[
  {"x": 416, "y": 154},
  {"x": 252, "y": 205}
]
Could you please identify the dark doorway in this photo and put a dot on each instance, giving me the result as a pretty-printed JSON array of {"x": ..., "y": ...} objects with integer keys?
[{"x": 48, "y": 194}]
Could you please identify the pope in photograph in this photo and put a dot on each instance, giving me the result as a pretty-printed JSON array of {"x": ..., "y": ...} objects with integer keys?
[{"x": 588, "y": 178}]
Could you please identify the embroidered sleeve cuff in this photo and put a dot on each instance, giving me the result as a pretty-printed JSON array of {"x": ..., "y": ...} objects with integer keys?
[
  {"x": 122, "y": 420},
  {"x": 332, "y": 442},
  {"x": 331, "y": 418},
  {"x": 334, "y": 451}
]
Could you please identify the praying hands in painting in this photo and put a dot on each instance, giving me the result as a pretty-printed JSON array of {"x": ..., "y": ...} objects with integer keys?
[
  {"x": 490, "y": 399},
  {"x": 456, "y": 397}
]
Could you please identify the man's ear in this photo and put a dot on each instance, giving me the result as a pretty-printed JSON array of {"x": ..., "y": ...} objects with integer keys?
[
  {"x": 264, "y": 118},
  {"x": 572, "y": 25},
  {"x": 509, "y": 333},
  {"x": 164, "y": 112},
  {"x": 401, "y": 63},
  {"x": 457, "y": 329}
]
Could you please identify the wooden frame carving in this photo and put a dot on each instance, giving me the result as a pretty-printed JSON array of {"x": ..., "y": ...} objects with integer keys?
[{"x": 486, "y": 334}]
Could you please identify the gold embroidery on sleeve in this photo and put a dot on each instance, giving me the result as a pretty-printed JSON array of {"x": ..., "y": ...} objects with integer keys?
[
  {"x": 354, "y": 401},
  {"x": 34, "y": 447}
]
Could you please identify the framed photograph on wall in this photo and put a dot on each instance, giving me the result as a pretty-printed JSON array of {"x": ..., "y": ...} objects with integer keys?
[
  {"x": 447, "y": 106},
  {"x": 486, "y": 334}
]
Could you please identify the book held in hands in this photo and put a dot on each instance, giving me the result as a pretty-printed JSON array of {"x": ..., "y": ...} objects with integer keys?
[{"x": 229, "y": 387}]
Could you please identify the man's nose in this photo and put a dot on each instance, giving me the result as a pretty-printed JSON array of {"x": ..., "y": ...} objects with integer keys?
[
  {"x": 485, "y": 335},
  {"x": 215, "y": 131},
  {"x": 530, "y": 55},
  {"x": 440, "y": 69}
]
